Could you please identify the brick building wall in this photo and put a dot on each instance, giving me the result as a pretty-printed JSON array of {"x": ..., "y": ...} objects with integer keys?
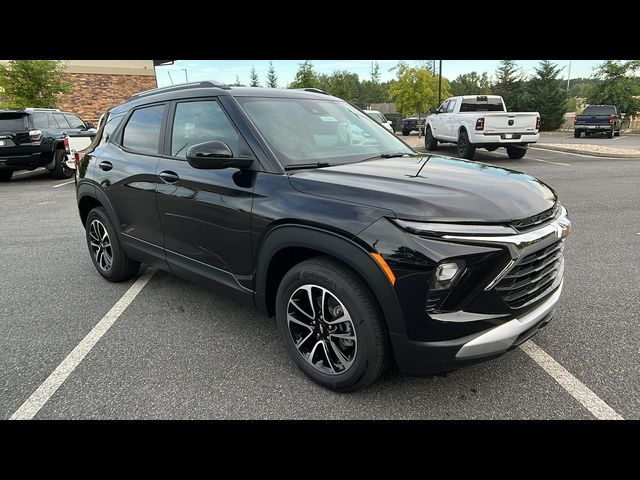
[{"x": 95, "y": 93}]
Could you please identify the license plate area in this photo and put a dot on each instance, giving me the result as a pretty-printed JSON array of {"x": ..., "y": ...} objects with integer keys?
[{"x": 510, "y": 136}]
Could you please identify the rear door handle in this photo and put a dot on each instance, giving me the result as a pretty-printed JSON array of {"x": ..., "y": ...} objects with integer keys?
[
  {"x": 106, "y": 166},
  {"x": 169, "y": 177}
]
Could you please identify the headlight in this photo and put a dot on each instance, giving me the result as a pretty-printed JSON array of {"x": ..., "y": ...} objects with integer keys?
[{"x": 439, "y": 229}]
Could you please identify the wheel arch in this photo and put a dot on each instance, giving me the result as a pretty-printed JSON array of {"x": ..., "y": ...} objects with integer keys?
[
  {"x": 89, "y": 197},
  {"x": 307, "y": 241}
]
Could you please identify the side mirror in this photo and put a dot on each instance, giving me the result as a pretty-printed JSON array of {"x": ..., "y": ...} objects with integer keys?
[
  {"x": 389, "y": 122},
  {"x": 215, "y": 155},
  {"x": 90, "y": 125},
  {"x": 433, "y": 110}
]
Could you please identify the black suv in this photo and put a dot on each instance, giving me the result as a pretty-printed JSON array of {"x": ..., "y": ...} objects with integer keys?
[
  {"x": 34, "y": 137},
  {"x": 368, "y": 253}
]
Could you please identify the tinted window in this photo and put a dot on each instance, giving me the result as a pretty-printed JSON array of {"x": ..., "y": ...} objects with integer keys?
[
  {"x": 61, "y": 121},
  {"x": 481, "y": 104},
  {"x": 109, "y": 128},
  {"x": 599, "y": 110},
  {"x": 198, "y": 122},
  {"x": 12, "y": 122},
  {"x": 451, "y": 106},
  {"x": 376, "y": 116},
  {"x": 43, "y": 120},
  {"x": 142, "y": 133},
  {"x": 444, "y": 106},
  {"x": 74, "y": 121}
]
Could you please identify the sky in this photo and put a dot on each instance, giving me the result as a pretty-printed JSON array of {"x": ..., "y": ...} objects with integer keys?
[{"x": 225, "y": 71}]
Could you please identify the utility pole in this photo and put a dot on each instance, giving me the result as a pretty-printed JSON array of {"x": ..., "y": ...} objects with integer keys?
[
  {"x": 569, "y": 77},
  {"x": 440, "y": 82},
  {"x": 171, "y": 79},
  {"x": 185, "y": 74}
]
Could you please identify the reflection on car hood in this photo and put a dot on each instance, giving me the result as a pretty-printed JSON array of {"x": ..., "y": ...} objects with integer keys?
[{"x": 431, "y": 188}]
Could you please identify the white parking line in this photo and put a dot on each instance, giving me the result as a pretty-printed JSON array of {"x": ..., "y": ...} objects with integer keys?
[
  {"x": 65, "y": 183},
  {"x": 44, "y": 392},
  {"x": 578, "y": 390},
  {"x": 548, "y": 161}
]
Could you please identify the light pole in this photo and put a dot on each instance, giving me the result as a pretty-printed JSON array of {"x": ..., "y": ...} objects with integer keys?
[
  {"x": 439, "y": 82},
  {"x": 569, "y": 77}
]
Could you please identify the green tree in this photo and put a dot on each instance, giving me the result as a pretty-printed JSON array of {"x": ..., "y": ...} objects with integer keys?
[
  {"x": 306, "y": 77},
  {"x": 343, "y": 84},
  {"x": 254, "y": 80},
  {"x": 510, "y": 86},
  {"x": 416, "y": 90},
  {"x": 236, "y": 83},
  {"x": 616, "y": 86},
  {"x": 33, "y": 83},
  {"x": 372, "y": 91},
  {"x": 546, "y": 96},
  {"x": 375, "y": 72},
  {"x": 471, "y": 84},
  {"x": 272, "y": 78}
]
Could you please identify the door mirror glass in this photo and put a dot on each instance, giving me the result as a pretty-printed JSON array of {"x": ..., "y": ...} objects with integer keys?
[{"x": 214, "y": 155}]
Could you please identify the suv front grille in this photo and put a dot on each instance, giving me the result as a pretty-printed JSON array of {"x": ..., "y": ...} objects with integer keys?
[
  {"x": 535, "y": 220},
  {"x": 532, "y": 277}
]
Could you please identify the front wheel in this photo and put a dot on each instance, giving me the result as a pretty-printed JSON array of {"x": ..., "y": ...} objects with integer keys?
[
  {"x": 406, "y": 132},
  {"x": 330, "y": 325},
  {"x": 465, "y": 148},
  {"x": 5, "y": 175},
  {"x": 576, "y": 133},
  {"x": 515, "y": 153},
  {"x": 430, "y": 142}
]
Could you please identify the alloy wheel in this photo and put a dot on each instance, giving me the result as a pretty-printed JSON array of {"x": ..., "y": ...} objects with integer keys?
[
  {"x": 100, "y": 245},
  {"x": 322, "y": 330}
]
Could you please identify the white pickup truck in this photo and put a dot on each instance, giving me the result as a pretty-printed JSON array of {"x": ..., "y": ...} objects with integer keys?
[{"x": 481, "y": 121}]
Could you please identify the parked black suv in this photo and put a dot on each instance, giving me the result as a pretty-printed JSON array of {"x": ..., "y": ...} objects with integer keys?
[
  {"x": 367, "y": 252},
  {"x": 34, "y": 137}
]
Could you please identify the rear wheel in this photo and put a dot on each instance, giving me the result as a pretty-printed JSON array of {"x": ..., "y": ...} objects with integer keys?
[
  {"x": 587, "y": 134},
  {"x": 610, "y": 133},
  {"x": 5, "y": 175},
  {"x": 106, "y": 252},
  {"x": 465, "y": 148},
  {"x": 576, "y": 133},
  {"x": 406, "y": 132},
  {"x": 330, "y": 325},
  {"x": 516, "y": 153},
  {"x": 60, "y": 169},
  {"x": 617, "y": 133},
  {"x": 430, "y": 141}
]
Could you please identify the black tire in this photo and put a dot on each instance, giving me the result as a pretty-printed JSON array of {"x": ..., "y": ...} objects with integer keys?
[
  {"x": 122, "y": 267},
  {"x": 616, "y": 133},
  {"x": 576, "y": 133},
  {"x": 587, "y": 134},
  {"x": 465, "y": 148},
  {"x": 370, "y": 356},
  {"x": 60, "y": 169},
  {"x": 406, "y": 132},
  {"x": 610, "y": 133},
  {"x": 430, "y": 142},
  {"x": 5, "y": 175},
  {"x": 516, "y": 153}
]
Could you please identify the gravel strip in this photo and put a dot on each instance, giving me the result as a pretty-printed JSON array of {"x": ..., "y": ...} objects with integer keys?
[{"x": 590, "y": 148}]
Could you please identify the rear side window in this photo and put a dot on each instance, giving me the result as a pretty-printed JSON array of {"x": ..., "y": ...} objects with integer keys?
[
  {"x": 600, "y": 110},
  {"x": 13, "y": 122},
  {"x": 198, "y": 122},
  {"x": 481, "y": 104},
  {"x": 61, "y": 121},
  {"x": 74, "y": 121},
  {"x": 142, "y": 132},
  {"x": 109, "y": 127},
  {"x": 43, "y": 120}
]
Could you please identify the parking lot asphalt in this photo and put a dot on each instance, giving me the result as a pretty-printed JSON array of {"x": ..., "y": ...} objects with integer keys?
[{"x": 181, "y": 350}]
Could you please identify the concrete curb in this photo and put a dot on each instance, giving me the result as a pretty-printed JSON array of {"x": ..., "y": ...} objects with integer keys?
[{"x": 589, "y": 154}]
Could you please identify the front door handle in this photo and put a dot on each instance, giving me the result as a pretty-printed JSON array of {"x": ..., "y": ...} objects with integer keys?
[
  {"x": 106, "y": 166},
  {"x": 169, "y": 177}
]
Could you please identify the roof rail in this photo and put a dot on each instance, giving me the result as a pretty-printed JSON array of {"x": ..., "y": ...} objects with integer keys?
[
  {"x": 36, "y": 109},
  {"x": 314, "y": 90},
  {"x": 182, "y": 86}
]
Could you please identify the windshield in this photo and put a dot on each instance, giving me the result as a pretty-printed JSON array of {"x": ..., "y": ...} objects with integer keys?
[
  {"x": 302, "y": 131},
  {"x": 377, "y": 116}
]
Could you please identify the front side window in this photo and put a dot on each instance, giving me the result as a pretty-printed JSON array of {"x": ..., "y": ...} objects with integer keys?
[
  {"x": 199, "y": 122},
  {"x": 444, "y": 106},
  {"x": 142, "y": 133},
  {"x": 74, "y": 121},
  {"x": 451, "y": 106},
  {"x": 377, "y": 116},
  {"x": 313, "y": 130}
]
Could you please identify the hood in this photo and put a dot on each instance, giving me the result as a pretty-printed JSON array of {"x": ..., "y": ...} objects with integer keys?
[{"x": 431, "y": 188}]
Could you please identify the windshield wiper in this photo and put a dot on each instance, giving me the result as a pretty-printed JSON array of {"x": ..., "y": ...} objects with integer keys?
[
  {"x": 295, "y": 166},
  {"x": 388, "y": 155}
]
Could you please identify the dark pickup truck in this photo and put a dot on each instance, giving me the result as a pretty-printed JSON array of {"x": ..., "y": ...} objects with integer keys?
[
  {"x": 412, "y": 123},
  {"x": 35, "y": 137},
  {"x": 598, "y": 118}
]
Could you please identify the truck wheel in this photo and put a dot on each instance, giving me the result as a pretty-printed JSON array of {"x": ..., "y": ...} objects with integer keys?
[
  {"x": 576, "y": 133},
  {"x": 587, "y": 134},
  {"x": 430, "y": 142},
  {"x": 106, "y": 252},
  {"x": 610, "y": 133},
  {"x": 60, "y": 169},
  {"x": 5, "y": 175},
  {"x": 330, "y": 325},
  {"x": 465, "y": 148},
  {"x": 406, "y": 132},
  {"x": 515, "y": 153},
  {"x": 617, "y": 134}
]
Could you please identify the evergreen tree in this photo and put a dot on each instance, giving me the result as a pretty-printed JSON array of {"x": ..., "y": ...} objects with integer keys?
[
  {"x": 509, "y": 85},
  {"x": 342, "y": 84},
  {"x": 375, "y": 72},
  {"x": 236, "y": 83},
  {"x": 547, "y": 96},
  {"x": 306, "y": 77},
  {"x": 272, "y": 78},
  {"x": 254, "y": 81}
]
